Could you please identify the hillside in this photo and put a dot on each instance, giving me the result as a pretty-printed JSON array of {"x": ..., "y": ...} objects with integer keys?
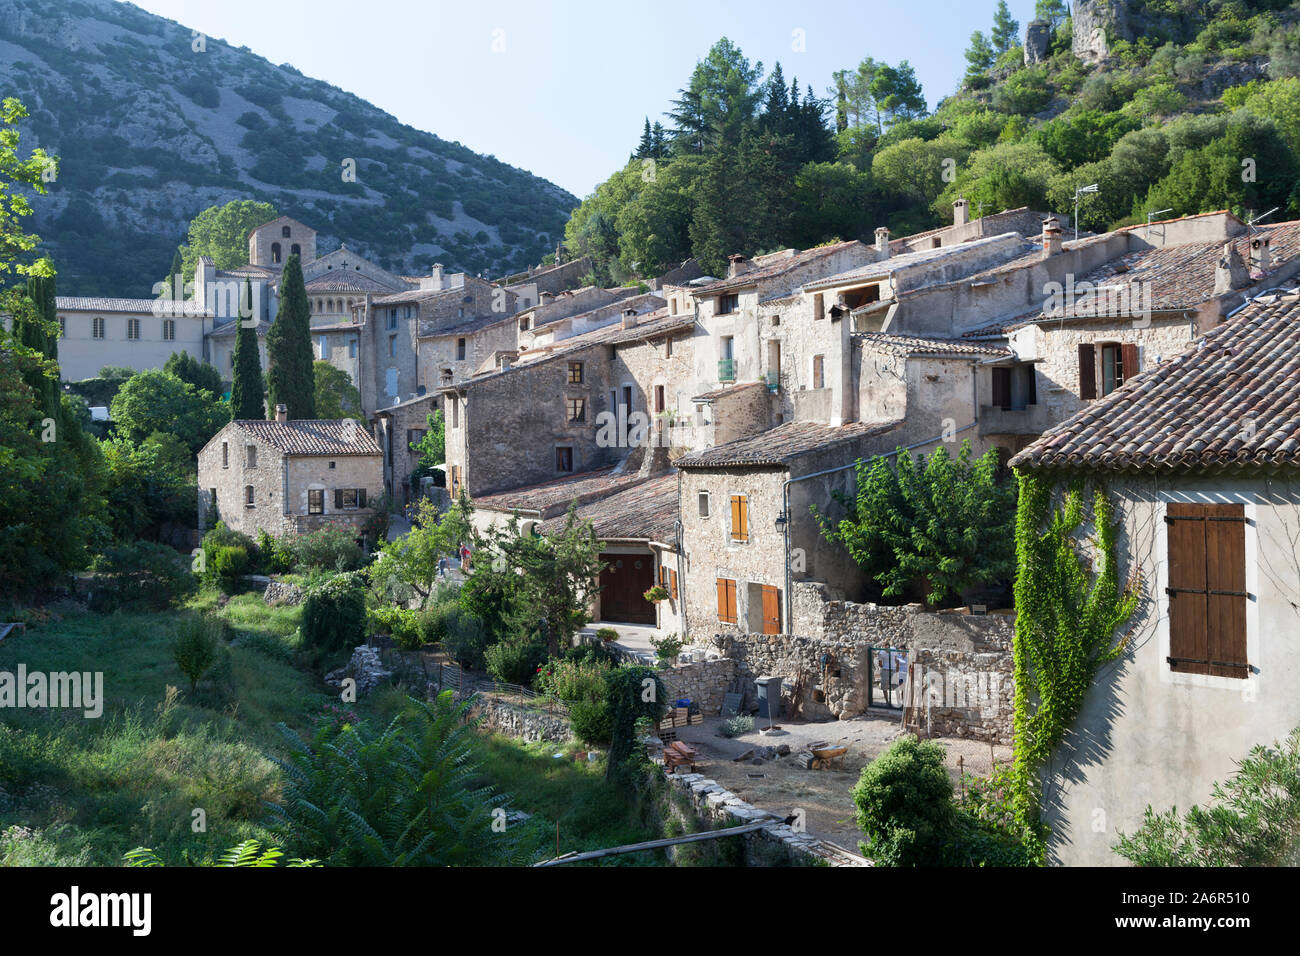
[
  {"x": 150, "y": 132},
  {"x": 1172, "y": 107}
]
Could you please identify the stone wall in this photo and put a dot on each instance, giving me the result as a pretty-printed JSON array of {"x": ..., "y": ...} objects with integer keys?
[
  {"x": 522, "y": 722},
  {"x": 703, "y": 682}
]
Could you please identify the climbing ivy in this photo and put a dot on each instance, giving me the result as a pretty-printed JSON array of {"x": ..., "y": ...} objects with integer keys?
[{"x": 1070, "y": 606}]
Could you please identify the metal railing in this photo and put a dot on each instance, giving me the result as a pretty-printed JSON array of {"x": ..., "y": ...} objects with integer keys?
[{"x": 726, "y": 370}]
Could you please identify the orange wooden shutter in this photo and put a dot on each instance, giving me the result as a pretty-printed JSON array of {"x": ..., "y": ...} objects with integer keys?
[
  {"x": 672, "y": 584},
  {"x": 771, "y": 610},
  {"x": 726, "y": 600},
  {"x": 1087, "y": 370},
  {"x": 739, "y": 518},
  {"x": 1207, "y": 589}
]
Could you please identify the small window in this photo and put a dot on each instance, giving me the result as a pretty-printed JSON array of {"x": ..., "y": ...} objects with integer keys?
[
  {"x": 63, "y": 327},
  {"x": 248, "y": 496},
  {"x": 392, "y": 346},
  {"x": 316, "y": 501},
  {"x": 576, "y": 372},
  {"x": 285, "y": 232},
  {"x": 97, "y": 327},
  {"x": 348, "y": 499},
  {"x": 295, "y": 249},
  {"x": 392, "y": 318},
  {"x": 668, "y": 347},
  {"x": 659, "y": 398},
  {"x": 455, "y": 412},
  {"x": 728, "y": 303},
  {"x": 704, "y": 504},
  {"x": 169, "y": 329},
  {"x": 275, "y": 252},
  {"x": 212, "y": 497},
  {"x": 225, "y": 455},
  {"x": 460, "y": 350},
  {"x": 332, "y": 464},
  {"x": 564, "y": 459},
  {"x": 252, "y": 456},
  {"x": 352, "y": 348},
  {"x": 1207, "y": 589},
  {"x": 739, "y": 518},
  {"x": 819, "y": 371},
  {"x": 577, "y": 410},
  {"x": 523, "y": 324},
  {"x": 324, "y": 348},
  {"x": 133, "y": 329}
]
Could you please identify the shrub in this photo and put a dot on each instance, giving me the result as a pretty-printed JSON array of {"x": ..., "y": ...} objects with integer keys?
[
  {"x": 667, "y": 648},
  {"x": 275, "y": 555},
  {"x": 334, "y": 549},
  {"x": 140, "y": 575},
  {"x": 464, "y": 638},
  {"x": 656, "y": 594},
  {"x": 592, "y": 720},
  {"x": 334, "y": 615},
  {"x": 399, "y": 622},
  {"x": 573, "y": 679},
  {"x": 515, "y": 660},
  {"x": 904, "y": 804},
  {"x": 199, "y": 643},
  {"x": 607, "y": 634},
  {"x": 735, "y": 726},
  {"x": 228, "y": 566}
]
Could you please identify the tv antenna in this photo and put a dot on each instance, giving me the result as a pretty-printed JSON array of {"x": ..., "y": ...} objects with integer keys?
[
  {"x": 1078, "y": 191},
  {"x": 1253, "y": 219}
]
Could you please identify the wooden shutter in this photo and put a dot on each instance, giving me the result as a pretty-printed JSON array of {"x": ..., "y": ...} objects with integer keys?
[
  {"x": 338, "y": 499},
  {"x": 739, "y": 518},
  {"x": 1001, "y": 387},
  {"x": 771, "y": 610},
  {"x": 672, "y": 585},
  {"x": 1207, "y": 589},
  {"x": 726, "y": 601},
  {"x": 1129, "y": 362},
  {"x": 361, "y": 497},
  {"x": 1087, "y": 371}
]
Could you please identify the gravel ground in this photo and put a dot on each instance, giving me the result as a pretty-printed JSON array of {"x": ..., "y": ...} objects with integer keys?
[{"x": 825, "y": 796}]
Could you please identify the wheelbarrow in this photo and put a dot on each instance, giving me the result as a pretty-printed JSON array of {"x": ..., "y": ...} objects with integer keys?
[{"x": 827, "y": 758}]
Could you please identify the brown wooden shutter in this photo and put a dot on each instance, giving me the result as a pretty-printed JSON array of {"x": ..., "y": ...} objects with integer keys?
[
  {"x": 338, "y": 499},
  {"x": 672, "y": 584},
  {"x": 361, "y": 497},
  {"x": 1087, "y": 371},
  {"x": 771, "y": 610},
  {"x": 1207, "y": 589},
  {"x": 1001, "y": 387},
  {"x": 1129, "y": 361}
]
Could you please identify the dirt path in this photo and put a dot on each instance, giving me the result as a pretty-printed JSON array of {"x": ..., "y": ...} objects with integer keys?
[{"x": 825, "y": 796}]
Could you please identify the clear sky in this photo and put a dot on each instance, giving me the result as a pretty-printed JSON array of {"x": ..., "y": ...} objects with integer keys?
[{"x": 561, "y": 87}]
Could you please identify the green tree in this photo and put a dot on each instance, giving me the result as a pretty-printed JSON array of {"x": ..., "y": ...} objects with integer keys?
[
  {"x": 413, "y": 558},
  {"x": 149, "y": 485},
  {"x": 157, "y": 401},
  {"x": 1054, "y": 12},
  {"x": 202, "y": 375},
  {"x": 247, "y": 389},
  {"x": 432, "y": 448},
  {"x": 336, "y": 396},
  {"x": 940, "y": 528},
  {"x": 26, "y": 174},
  {"x": 290, "y": 380},
  {"x": 979, "y": 57},
  {"x": 719, "y": 101},
  {"x": 897, "y": 93},
  {"x": 1006, "y": 29},
  {"x": 222, "y": 233}
]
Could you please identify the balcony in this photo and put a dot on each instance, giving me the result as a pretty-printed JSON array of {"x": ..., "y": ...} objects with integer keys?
[{"x": 726, "y": 370}]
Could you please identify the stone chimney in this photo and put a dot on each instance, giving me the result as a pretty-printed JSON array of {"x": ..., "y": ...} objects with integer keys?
[
  {"x": 1051, "y": 237},
  {"x": 1261, "y": 260},
  {"x": 436, "y": 275},
  {"x": 629, "y": 318},
  {"x": 1230, "y": 273},
  {"x": 961, "y": 212},
  {"x": 545, "y": 298},
  {"x": 882, "y": 242},
  {"x": 738, "y": 265},
  {"x": 282, "y": 413}
]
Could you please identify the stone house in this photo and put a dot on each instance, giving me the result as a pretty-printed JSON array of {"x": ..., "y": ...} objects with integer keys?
[
  {"x": 397, "y": 428},
  {"x": 1200, "y": 458},
  {"x": 289, "y": 477}
]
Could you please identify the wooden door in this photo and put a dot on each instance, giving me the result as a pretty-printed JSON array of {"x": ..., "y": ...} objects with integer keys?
[
  {"x": 624, "y": 581},
  {"x": 771, "y": 610}
]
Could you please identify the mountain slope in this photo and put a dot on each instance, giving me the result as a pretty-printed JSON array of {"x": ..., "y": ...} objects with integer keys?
[{"x": 150, "y": 131}]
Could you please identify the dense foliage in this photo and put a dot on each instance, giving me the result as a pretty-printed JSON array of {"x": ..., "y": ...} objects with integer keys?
[{"x": 290, "y": 380}]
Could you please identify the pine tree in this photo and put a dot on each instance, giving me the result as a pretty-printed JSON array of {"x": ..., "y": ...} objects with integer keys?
[
  {"x": 290, "y": 379},
  {"x": 659, "y": 141},
  {"x": 980, "y": 56},
  {"x": 1005, "y": 29},
  {"x": 645, "y": 148},
  {"x": 246, "y": 391}
]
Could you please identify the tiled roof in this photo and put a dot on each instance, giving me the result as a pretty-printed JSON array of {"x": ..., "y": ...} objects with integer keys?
[
  {"x": 770, "y": 267},
  {"x": 727, "y": 390},
  {"x": 230, "y": 328},
  {"x": 345, "y": 282},
  {"x": 645, "y": 511},
  {"x": 781, "y": 445},
  {"x": 553, "y": 497},
  {"x": 921, "y": 345},
  {"x": 313, "y": 436},
  {"x": 420, "y": 295},
  {"x": 248, "y": 269},
  {"x": 999, "y": 328},
  {"x": 1232, "y": 399},
  {"x": 885, "y": 267},
  {"x": 90, "y": 303}
]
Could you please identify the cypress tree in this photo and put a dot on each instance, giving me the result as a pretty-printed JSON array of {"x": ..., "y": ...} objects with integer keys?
[
  {"x": 39, "y": 334},
  {"x": 290, "y": 378},
  {"x": 247, "y": 389}
]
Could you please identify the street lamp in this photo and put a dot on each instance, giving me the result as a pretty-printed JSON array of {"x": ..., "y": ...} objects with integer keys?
[{"x": 1078, "y": 191}]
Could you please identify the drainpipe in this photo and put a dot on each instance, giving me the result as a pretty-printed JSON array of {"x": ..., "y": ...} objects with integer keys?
[
  {"x": 679, "y": 544},
  {"x": 785, "y": 508}
]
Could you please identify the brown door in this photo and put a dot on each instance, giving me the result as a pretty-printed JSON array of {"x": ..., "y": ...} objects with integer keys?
[
  {"x": 623, "y": 582},
  {"x": 771, "y": 610}
]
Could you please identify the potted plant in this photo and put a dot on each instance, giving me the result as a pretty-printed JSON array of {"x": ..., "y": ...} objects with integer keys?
[{"x": 656, "y": 594}]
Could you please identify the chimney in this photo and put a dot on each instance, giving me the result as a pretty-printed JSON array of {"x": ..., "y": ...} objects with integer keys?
[
  {"x": 738, "y": 265},
  {"x": 629, "y": 318},
  {"x": 1051, "y": 237},
  {"x": 546, "y": 298},
  {"x": 882, "y": 242},
  {"x": 435, "y": 275},
  {"x": 1261, "y": 260},
  {"x": 961, "y": 212},
  {"x": 282, "y": 413},
  {"x": 1230, "y": 273}
]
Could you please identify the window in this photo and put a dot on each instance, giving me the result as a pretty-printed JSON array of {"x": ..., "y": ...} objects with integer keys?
[
  {"x": 392, "y": 318},
  {"x": 739, "y": 518},
  {"x": 133, "y": 329},
  {"x": 576, "y": 373},
  {"x": 577, "y": 410},
  {"x": 819, "y": 371},
  {"x": 225, "y": 454},
  {"x": 460, "y": 350},
  {"x": 315, "y": 501},
  {"x": 352, "y": 348},
  {"x": 523, "y": 324},
  {"x": 728, "y": 303},
  {"x": 627, "y": 399},
  {"x": 248, "y": 496},
  {"x": 97, "y": 327},
  {"x": 251, "y": 455},
  {"x": 726, "y": 601},
  {"x": 212, "y": 497},
  {"x": 332, "y": 465},
  {"x": 659, "y": 398},
  {"x": 392, "y": 346},
  {"x": 1001, "y": 387},
  {"x": 1207, "y": 589},
  {"x": 704, "y": 504},
  {"x": 668, "y": 346},
  {"x": 63, "y": 327},
  {"x": 1119, "y": 363},
  {"x": 564, "y": 459},
  {"x": 391, "y": 382},
  {"x": 295, "y": 249},
  {"x": 771, "y": 598},
  {"x": 455, "y": 412},
  {"x": 349, "y": 499},
  {"x": 727, "y": 348},
  {"x": 285, "y": 232},
  {"x": 275, "y": 252},
  {"x": 672, "y": 585},
  {"x": 324, "y": 348}
]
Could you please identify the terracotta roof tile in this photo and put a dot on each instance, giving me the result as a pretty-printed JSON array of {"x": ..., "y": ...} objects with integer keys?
[
  {"x": 1232, "y": 399},
  {"x": 553, "y": 497},
  {"x": 781, "y": 445},
  {"x": 921, "y": 345},
  {"x": 770, "y": 267},
  {"x": 313, "y": 436},
  {"x": 645, "y": 511}
]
